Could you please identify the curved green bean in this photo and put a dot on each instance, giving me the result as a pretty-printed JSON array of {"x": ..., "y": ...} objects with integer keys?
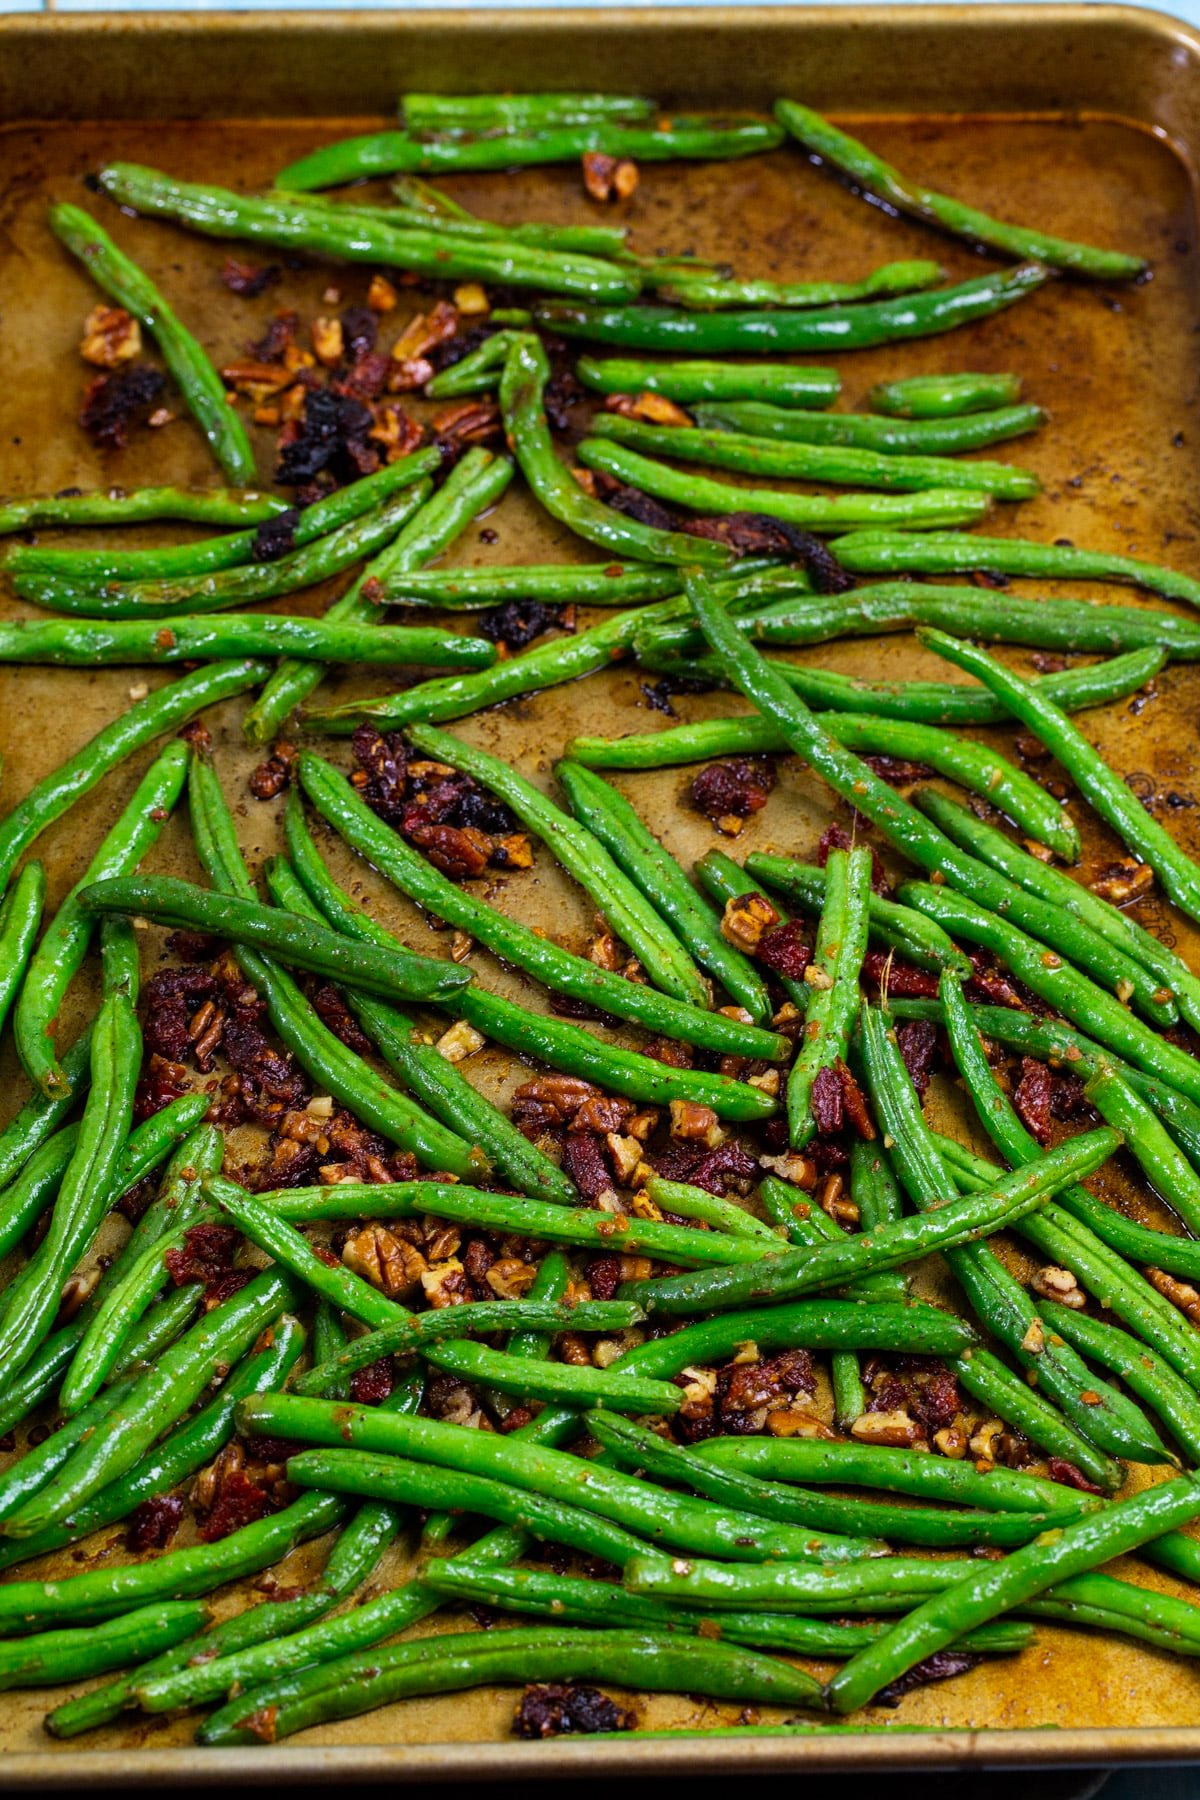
[
  {"x": 117, "y": 506},
  {"x": 398, "y": 973},
  {"x": 875, "y": 431},
  {"x": 814, "y": 512},
  {"x": 356, "y": 237},
  {"x": 1142, "y": 1371},
  {"x": 824, "y": 462},
  {"x": 889, "y": 553},
  {"x": 522, "y": 384},
  {"x": 67, "y": 644},
  {"x": 57, "y": 1656},
  {"x": 393, "y": 152},
  {"x": 871, "y": 175},
  {"x": 188, "y": 595},
  {"x": 957, "y": 1222},
  {"x": 1104, "y": 790},
  {"x": 856, "y": 327},
  {"x": 20, "y": 916}
]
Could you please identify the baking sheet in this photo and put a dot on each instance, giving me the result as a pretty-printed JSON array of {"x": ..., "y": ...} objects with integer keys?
[{"x": 1116, "y": 369}]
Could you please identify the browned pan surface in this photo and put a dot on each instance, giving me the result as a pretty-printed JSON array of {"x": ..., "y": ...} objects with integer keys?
[{"x": 1119, "y": 461}]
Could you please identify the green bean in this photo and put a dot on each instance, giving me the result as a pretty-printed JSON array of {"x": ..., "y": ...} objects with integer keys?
[
  {"x": 416, "y": 1331},
  {"x": 1105, "y": 791},
  {"x": 888, "y": 922},
  {"x": 440, "y": 113},
  {"x": 832, "y": 979},
  {"x": 420, "y": 200},
  {"x": 40, "y": 1461},
  {"x": 522, "y": 385},
  {"x": 1059, "y": 889},
  {"x": 116, "y": 506},
  {"x": 398, "y": 973},
  {"x": 990, "y": 1487},
  {"x": 637, "y": 1448},
  {"x": 814, "y": 512},
  {"x": 65, "y": 941},
  {"x": 160, "y": 1397},
  {"x": 1143, "y": 1372},
  {"x": 897, "y": 1584},
  {"x": 654, "y": 1514},
  {"x": 639, "y": 1660},
  {"x": 563, "y": 1383},
  {"x": 120, "y": 1309},
  {"x": 197, "y": 380},
  {"x": 621, "y": 901},
  {"x": 782, "y": 383},
  {"x": 179, "y": 1454},
  {"x": 477, "y": 482},
  {"x": 1004, "y": 619},
  {"x": 980, "y": 1596},
  {"x": 590, "y": 1602},
  {"x": 336, "y": 800},
  {"x": 393, "y": 152},
  {"x": 33, "y": 1297},
  {"x": 190, "y": 595},
  {"x": 875, "y": 431},
  {"x": 872, "y": 176},
  {"x": 144, "y": 721},
  {"x": 910, "y": 1326},
  {"x": 420, "y": 1065},
  {"x": 204, "y": 554},
  {"x": 478, "y": 372},
  {"x": 20, "y": 916},
  {"x": 856, "y": 327},
  {"x": 63, "y": 644},
  {"x": 961, "y": 1221},
  {"x": 57, "y": 1656},
  {"x": 944, "y": 396},
  {"x": 703, "y": 291},
  {"x": 663, "y": 883},
  {"x": 873, "y": 1185},
  {"x": 179, "y": 1574},
  {"x": 512, "y": 1213},
  {"x": 697, "y": 1203},
  {"x": 590, "y": 584},
  {"x": 1099, "y": 1411},
  {"x": 888, "y": 553},
  {"x": 354, "y": 237},
  {"x": 1147, "y": 1141},
  {"x": 824, "y": 462}
]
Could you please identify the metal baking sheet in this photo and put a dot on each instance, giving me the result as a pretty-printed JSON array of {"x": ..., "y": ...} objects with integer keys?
[{"x": 1085, "y": 119}]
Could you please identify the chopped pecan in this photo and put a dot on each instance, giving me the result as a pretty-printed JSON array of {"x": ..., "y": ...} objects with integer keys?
[
  {"x": 608, "y": 177},
  {"x": 695, "y": 1124},
  {"x": 1180, "y": 1293},
  {"x": 656, "y": 409},
  {"x": 384, "y": 1259},
  {"x": 1124, "y": 881},
  {"x": 111, "y": 336},
  {"x": 745, "y": 920}
]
